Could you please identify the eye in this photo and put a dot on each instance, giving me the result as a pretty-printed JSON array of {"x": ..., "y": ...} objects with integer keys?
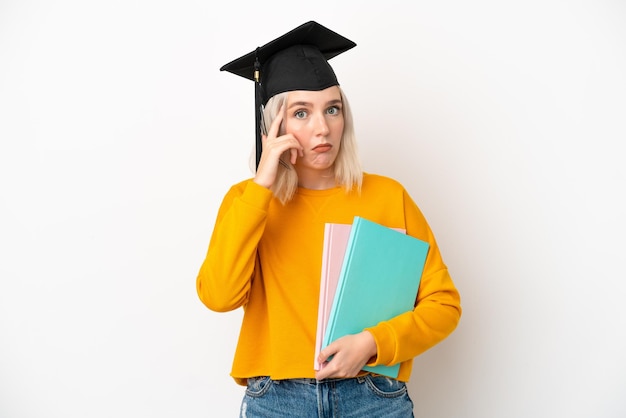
[
  {"x": 333, "y": 110},
  {"x": 300, "y": 114}
]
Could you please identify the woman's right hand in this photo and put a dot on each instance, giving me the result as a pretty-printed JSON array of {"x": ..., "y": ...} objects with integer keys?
[{"x": 274, "y": 146}]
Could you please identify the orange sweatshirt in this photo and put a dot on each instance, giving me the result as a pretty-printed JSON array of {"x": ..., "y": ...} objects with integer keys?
[{"x": 266, "y": 258}]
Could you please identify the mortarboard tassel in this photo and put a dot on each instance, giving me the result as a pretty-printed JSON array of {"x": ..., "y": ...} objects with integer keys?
[{"x": 258, "y": 107}]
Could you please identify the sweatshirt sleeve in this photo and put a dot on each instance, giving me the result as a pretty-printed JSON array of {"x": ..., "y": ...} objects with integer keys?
[
  {"x": 224, "y": 279},
  {"x": 438, "y": 305}
]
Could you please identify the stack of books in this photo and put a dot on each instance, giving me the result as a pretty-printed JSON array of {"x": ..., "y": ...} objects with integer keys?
[{"x": 370, "y": 273}]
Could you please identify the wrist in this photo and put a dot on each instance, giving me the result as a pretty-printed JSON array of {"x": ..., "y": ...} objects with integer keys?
[
  {"x": 372, "y": 348},
  {"x": 262, "y": 182}
]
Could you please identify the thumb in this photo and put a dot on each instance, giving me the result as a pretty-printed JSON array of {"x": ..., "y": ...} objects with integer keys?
[
  {"x": 326, "y": 353},
  {"x": 294, "y": 155}
]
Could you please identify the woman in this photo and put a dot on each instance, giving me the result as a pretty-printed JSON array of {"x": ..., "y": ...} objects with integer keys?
[{"x": 266, "y": 248}]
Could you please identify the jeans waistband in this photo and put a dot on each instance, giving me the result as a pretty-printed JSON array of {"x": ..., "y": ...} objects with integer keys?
[{"x": 312, "y": 381}]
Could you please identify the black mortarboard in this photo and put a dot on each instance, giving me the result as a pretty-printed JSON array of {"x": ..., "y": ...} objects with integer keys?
[{"x": 297, "y": 60}]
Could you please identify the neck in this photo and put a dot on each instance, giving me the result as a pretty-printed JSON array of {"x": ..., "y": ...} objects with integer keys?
[{"x": 316, "y": 179}]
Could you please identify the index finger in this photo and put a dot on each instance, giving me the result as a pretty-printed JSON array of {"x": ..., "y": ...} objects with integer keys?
[{"x": 276, "y": 123}]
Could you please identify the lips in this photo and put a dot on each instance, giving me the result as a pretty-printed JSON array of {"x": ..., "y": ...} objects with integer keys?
[{"x": 322, "y": 147}]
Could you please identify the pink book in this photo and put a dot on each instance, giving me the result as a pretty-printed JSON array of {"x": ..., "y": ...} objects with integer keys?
[
  {"x": 335, "y": 243},
  {"x": 336, "y": 238}
]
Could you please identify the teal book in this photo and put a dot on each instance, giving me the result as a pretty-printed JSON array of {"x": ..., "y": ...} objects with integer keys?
[{"x": 379, "y": 279}]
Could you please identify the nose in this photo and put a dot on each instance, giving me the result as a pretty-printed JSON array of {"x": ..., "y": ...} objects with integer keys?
[{"x": 321, "y": 125}]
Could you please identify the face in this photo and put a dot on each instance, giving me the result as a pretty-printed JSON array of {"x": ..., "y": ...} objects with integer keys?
[{"x": 315, "y": 118}]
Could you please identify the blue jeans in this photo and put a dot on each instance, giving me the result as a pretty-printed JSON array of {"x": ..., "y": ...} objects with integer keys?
[{"x": 367, "y": 396}]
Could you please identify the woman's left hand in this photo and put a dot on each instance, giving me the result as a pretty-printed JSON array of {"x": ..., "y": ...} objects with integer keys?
[{"x": 349, "y": 354}]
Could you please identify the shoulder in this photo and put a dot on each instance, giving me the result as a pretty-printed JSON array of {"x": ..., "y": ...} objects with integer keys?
[
  {"x": 249, "y": 192},
  {"x": 377, "y": 181},
  {"x": 242, "y": 188}
]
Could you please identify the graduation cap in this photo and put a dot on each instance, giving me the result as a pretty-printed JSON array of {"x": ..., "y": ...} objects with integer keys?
[{"x": 297, "y": 60}]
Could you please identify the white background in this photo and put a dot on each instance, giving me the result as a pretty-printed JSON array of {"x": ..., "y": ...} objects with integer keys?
[{"x": 119, "y": 137}]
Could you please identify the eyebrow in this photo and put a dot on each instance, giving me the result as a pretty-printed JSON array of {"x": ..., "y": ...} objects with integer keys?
[{"x": 303, "y": 103}]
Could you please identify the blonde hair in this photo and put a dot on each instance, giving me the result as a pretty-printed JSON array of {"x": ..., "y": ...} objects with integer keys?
[{"x": 347, "y": 167}]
